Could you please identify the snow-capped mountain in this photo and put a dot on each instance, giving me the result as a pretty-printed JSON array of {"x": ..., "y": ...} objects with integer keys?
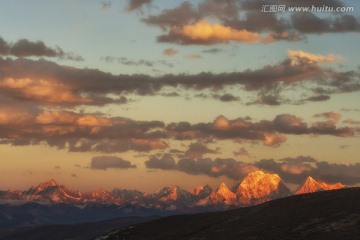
[
  {"x": 11, "y": 195},
  {"x": 201, "y": 192},
  {"x": 221, "y": 197},
  {"x": 311, "y": 185},
  {"x": 102, "y": 196},
  {"x": 171, "y": 197},
  {"x": 52, "y": 192},
  {"x": 228, "y": 195},
  {"x": 130, "y": 196},
  {"x": 258, "y": 187}
]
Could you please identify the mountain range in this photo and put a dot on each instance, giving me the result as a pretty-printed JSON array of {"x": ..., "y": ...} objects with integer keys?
[
  {"x": 321, "y": 215},
  {"x": 51, "y": 203},
  {"x": 257, "y": 187}
]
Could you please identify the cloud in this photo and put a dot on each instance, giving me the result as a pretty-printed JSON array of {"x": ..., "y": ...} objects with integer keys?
[
  {"x": 296, "y": 170},
  {"x": 270, "y": 133},
  {"x": 299, "y": 159},
  {"x": 273, "y": 139},
  {"x": 28, "y": 87},
  {"x": 290, "y": 124},
  {"x": 41, "y": 90},
  {"x": 351, "y": 121},
  {"x": 243, "y": 21},
  {"x": 79, "y": 132},
  {"x": 23, "y": 124},
  {"x": 166, "y": 162},
  {"x": 287, "y": 123},
  {"x": 136, "y": 63},
  {"x": 170, "y": 52},
  {"x": 105, "y": 162},
  {"x": 212, "y": 50},
  {"x": 227, "y": 97},
  {"x": 26, "y": 48},
  {"x": 205, "y": 33},
  {"x": 350, "y": 109},
  {"x": 105, "y": 6},
  {"x": 297, "y": 55},
  {"x": 193, "y": 56},
  {"x": 136, "y": 4},
  {"x": 241, "y": 152},
  {"x": 198, "y": 149},
  {"x": 49, "y": 83},
  {"x": 306, "y": 22},
  {"x": 4, "y": 47},
  {"x": 204, "y": 166},
  {"x": 318, "y": 98},
  {"x": 180, "y": 15},
  {"x": 329, "y": 115}
]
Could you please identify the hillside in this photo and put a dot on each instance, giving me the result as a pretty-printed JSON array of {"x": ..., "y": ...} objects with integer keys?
[
  {"x": 81, "y": 231},
  {"x": 322, "y": 215}
]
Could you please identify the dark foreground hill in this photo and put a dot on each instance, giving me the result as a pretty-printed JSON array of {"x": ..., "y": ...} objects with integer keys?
[
  {"x": 80, "y": 231},
  {"x": 322, "y": 215}
]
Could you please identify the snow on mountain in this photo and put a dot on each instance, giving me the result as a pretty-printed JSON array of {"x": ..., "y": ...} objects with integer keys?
[
  {"x": 221, "y": 197},
  {"x": 130, "y": 196},
  {"x": 228, "y": 195},
  {"x": 258, "y": 187},
  {"x": 171, "y": 197},
  {"x": 201, "y": 192},
  {"x": 102, "y": 196},
  {"x": 11, "y": 195},
  {"x": 214, "y": 199},
  {"x": 50, "y": 191},
  {"x": 311, "y": 185}
]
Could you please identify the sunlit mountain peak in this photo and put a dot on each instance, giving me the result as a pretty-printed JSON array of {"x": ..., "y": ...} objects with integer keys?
[
  {"x": 260, "y": 187},
  {"x": 312, "y": 185},
  {"x": 224, "y": 191}
]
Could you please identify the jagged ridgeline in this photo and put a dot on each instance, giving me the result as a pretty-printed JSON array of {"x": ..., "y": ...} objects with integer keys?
[{"x": 257, "y": 187}]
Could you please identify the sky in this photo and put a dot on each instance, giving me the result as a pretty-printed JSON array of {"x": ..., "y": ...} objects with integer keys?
[{"x": 141, "y": 94}]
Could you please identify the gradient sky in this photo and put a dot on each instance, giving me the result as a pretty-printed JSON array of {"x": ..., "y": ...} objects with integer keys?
[{"x": 142, "y": 94}]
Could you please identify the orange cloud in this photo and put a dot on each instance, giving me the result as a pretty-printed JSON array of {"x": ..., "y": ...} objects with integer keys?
[
  {"x": 56, "y": 118},
  {"x": 297, "y": 55},
  {"x": 295, "y": 168},
  {"x": 41, "y": 89},
  {"x": 57, "y": 130},
  {"x": 91, "y": 121},
  {"x": 203, "y": 31},
  {"x": 170, "y": 52},
  {"x": 9, "y": 116},
  {"x": 151, "y": 143},
  {"x": 273, "y": 139},
  {"x": 71, "y": 118},
  {"x": 329, "y": 115},
  {"x": 221, "y": 122}
]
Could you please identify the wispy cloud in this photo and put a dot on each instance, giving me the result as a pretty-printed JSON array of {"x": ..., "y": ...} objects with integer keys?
[
  {"x": 27, "y": 48},
  {"x": 105, "y": 162},
  {"x": 170, "y": 52},
  {"x": 136, "y": 4}
]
